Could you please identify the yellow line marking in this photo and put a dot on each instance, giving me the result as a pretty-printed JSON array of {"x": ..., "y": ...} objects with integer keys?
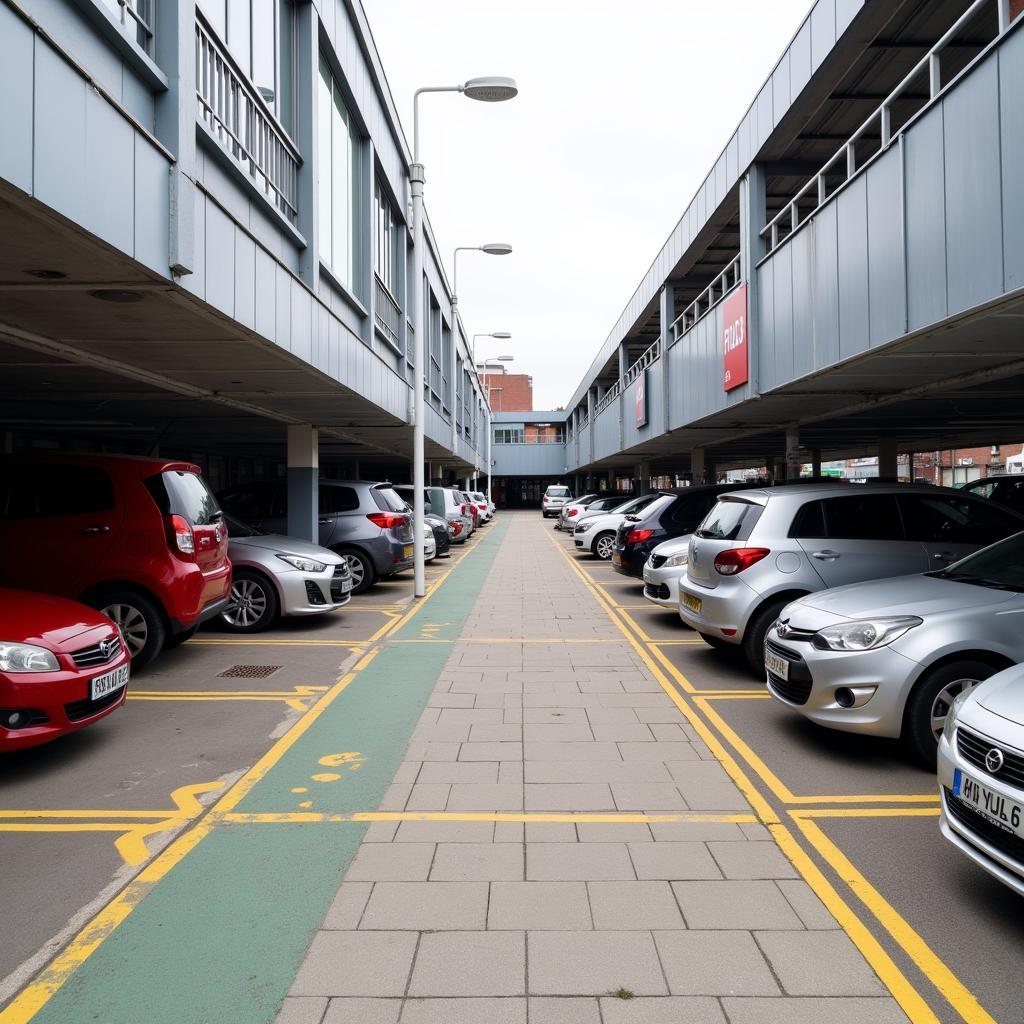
[
  {"x": 463, "y": 816},
  {"x": 955, "y": 993},
  {"x": 279, "y": 643},
  {"x": 734, "y": 695},
  {"x": 802, "y": 814}
]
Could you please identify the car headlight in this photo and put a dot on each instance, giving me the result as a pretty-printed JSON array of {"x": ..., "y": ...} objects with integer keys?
[
  {"x": 952, "y": 716},
  {"x": 583, "y": 527},
  {"x": 865, "y": 634},
  {"x": 303, "y": 564},
  {"x": 675, "y": 560},
  {"x": 15, "y": 657}
]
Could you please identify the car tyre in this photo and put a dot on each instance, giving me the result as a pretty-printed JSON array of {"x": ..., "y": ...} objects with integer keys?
[
  {"x": 140, "y": 620},
  {"x": 363, "y": 574},
  {"x": 177, "y": 639},
  {"x": 252, "y": 603},
  {"x": 756, "y": 631},
  {"x": 603, "y": 546},
  {"x": 929, "y": 703},
  {"x": 718, "y": 644}
]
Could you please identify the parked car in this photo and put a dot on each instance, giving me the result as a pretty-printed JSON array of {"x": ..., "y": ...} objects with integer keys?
[
  {"x": 760, "y": 549},
  {"x": 595, "y": 529},
  {"x": 571, "y": 509},
  {"x": 609, "y": 503},
  {"x": 673, "y": 513},
  {"x": 446, "y": 525},
  {"x": 981, "y": 776},
  {"x": 572, "y": 515},
  {"x": 554, "y": 497},
  {"x": 888, "y": 657},
  {"x": 483, "y": 505},
  {"x": 363, "y": 521},
  {"x": 63, "y": 666},
  {"x": 1007, "y": 490},
  {"x": 665, "y": 566},
  {"x": 469, "y": 509},
  {"x": 141, "y": 540},
  {"x": 276, "y": 576}
]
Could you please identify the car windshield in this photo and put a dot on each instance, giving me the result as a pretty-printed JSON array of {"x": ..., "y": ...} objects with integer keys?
[
  {"x": 389, "y": 499},
  {"x": 725, "y": 520},
  {"x": 236, "y": 528},
  {"x": 1000, "y": 566}
]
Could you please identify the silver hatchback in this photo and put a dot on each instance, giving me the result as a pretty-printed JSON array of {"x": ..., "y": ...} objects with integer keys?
[{"x": 758, "y": 550}]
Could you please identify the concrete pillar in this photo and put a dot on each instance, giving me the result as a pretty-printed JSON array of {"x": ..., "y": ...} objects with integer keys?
[
  {"x": 611, "y": 479},
  {"x": 710, "y": 473},
  {"x": 910, "y": 466},
  {"x": 303, "y": 477},
  {"x": 769, "y": 466},
  {"x": 793, "y": 452},
  {"x": 815, "y": 462},
  {"x": 623, "y": 360},
  {"x": 887, "y": 458},
  {"x": 697, "y": 467},
  {"x": 642, "y": 478}
]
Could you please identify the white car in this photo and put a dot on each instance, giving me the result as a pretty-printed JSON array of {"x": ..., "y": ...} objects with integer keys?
[
  {"x": 595, "y": 530},
  {"x": 485, "y": 508},
  {"x": 554, "y": 498},
  {"x": 981, "y": 776},
  {"x": 663, "y": 569},
  {"x": 571, "y": 509}
]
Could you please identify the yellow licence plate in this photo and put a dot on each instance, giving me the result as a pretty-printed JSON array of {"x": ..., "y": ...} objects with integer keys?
[
  {"x": 690, "y": 602},
  {"x": 407, "y": 551}
]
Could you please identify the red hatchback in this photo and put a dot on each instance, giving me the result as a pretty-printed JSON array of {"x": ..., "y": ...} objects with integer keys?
[
  {"x": 142, "y": 540},
  {"x": 62, "y": 667}
]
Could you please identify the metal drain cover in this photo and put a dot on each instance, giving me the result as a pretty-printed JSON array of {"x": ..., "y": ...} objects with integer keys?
[{"x": 248, "y": 671}]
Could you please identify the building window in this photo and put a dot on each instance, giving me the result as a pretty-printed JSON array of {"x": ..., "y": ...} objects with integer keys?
[
  {"x": 432, "y": 319},
  {"x": 446, "y": 363},
  {"x": 510, "y": 433},
  {"x": 386, "y": 252},
  {"x": 338, "y": 187}
]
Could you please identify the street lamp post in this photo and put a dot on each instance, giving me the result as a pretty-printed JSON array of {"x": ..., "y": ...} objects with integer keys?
[{"x": 488, "y": 90}]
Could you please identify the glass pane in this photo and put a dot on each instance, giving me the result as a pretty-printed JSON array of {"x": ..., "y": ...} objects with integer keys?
[
  {"x": 865, "y": 517},
  {"x": 324, "y": 104},
  {"x": 239, "y": 32},
  {"x": 264, "y": 50},
  {"x": 341, "y": 186}
]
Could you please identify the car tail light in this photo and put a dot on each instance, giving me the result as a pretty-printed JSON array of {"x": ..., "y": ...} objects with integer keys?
[
  {"x": 573, "y": 512},
  {"x": 386, "y": 520},
  {"x": 457, "y": 527},
  {"x": 638, "y": 536},
  {"x": 182, "y": 535},
  {"x": 546, "y": 499},
  {"x": 735, "y": 560}
]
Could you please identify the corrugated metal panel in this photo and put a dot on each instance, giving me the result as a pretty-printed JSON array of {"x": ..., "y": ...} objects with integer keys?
[
  {"x": 886, "y": 277},
  {"x": 16, "y": 45},
  {"x": 764, "y": 345},
  {"x": 220, "y": 259},
  {"x": 59, "y": 136},
  {"x": 825, "y": 315},
  {"x": 152, "y": 213},
  {"x": 801, "y": 253},
  {"x": 1011, "y": 109},
  {"x": 852, "y": 222},
  {"x": 245, "y": 279}
]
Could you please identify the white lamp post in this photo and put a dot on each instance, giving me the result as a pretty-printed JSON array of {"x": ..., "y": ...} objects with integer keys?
[{"x": 488, "y": 90}]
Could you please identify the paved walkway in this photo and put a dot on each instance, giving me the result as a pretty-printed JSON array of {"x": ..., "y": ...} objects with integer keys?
[{"x": 566, "y": 851}]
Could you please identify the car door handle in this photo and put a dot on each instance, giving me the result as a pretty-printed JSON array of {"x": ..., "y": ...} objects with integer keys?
[
  {"x": 96, "y": 529},
  {"x": 326, "y": 522},
  {"x": 944, "y": 556},
  {"x": 825, "y": 556}
]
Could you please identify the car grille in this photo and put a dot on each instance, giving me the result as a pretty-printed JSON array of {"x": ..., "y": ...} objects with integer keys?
[
  {"x": 341, "y": 572},
  {"x": 659, "y": 590},
  {"x": 796, "y": 689},
  {"x": 79, "y": 709},
  {"x": 657, "y": 561},
  {"x": 88, "y": 657},
  {"x": 1005, "y": 842},
  {"x": 973, "y": 748}
]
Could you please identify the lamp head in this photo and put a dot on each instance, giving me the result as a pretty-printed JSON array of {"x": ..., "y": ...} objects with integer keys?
[
  {"x": 496, "y": 248},
  {"x": 491, "y": 89},
  {"x": 501, "y": 335}
]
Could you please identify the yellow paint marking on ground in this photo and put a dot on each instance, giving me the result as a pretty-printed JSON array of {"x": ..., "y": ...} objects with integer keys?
[
  {"x": 804, "y": 813},
  {"x": 952, "y": 989},
  {"x": 677, "y": 643},
  {"x": 294, "y": 817},
  {"x": 280, "y": 643}
]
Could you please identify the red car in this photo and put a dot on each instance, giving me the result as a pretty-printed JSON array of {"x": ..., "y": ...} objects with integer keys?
[
  {"x": 141, "y": 540},
  {"x": 62, "y": 666}
]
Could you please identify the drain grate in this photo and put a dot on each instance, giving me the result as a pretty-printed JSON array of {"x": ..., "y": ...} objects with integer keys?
[{"x": 248, "y": 671}]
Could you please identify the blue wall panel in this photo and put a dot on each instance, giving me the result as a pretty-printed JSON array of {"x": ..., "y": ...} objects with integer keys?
[
  {"x": 530, "y": 459},
  {"x": 825, "y": 286},
  {"x": 59, "y": 151},
  {"x": 220, "y": 259},
  {"x": 764, "y": 345},
  {"x": 800, "y": 250},
  {"x": 606, "y": 431},
  {"x": 783, "y": 291},
  {"x": 16, "y": 49},
  {"x": 1011, "y": 110},
  {"x": 887, "y": 304},
  {"x": 151, "y": 207},
  {"x": 852, "y": 223},
  {"x": 109, "y": 173},
  {"x": 245, "y": 279}
]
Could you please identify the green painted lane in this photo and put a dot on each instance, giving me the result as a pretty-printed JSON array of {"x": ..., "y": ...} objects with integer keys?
[{"x": 220, "y": 937}]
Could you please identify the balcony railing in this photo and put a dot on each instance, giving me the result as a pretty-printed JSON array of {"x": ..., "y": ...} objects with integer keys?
[
  {"x": 546, "y": 439},
  {"x": 237, "y": 117},
  {"x": 708, "y": 299},
  {"x": 876, "y": 134},
  {"x": 387, "y": 314},
  {"x": 609, "y": 396},
  {"x": 651, "y": 354}
]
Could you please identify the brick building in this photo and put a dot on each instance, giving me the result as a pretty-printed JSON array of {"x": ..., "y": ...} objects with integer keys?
[
  {"x": 960, "y": 465},
  {"x": 510, "y": 392}
]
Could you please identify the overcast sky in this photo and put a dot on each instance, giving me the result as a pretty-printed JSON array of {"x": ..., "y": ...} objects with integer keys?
[{"x": 623, "y": 108}]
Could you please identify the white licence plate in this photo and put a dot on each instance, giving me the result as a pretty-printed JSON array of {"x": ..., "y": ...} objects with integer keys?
[
  {"x": 648, "y": 578},
  {"x": 1005, "y": 813},
  {"x": 776, "y": 665},
  {"x": 690, "y": 602},
  {"x": 346, "y": 586},
  {"x": 108, "y": 682}
]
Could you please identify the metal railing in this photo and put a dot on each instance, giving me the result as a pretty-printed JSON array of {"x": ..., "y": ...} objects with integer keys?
[
  {"x": 556, "y": 439},
  {"x": 651, "y": 354},
  {"x": 844, "y": 162},
  {"x": 139, "y": 14},
  {"x": 708, "y": 299},
  {"x": 387, "y": 314},
  {"x": 609, "y": 396},
  {"x": 236, "y": 115}
]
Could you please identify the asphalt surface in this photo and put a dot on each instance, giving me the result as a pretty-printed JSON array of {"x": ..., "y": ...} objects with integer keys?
[{"x": 972, "y": 925}]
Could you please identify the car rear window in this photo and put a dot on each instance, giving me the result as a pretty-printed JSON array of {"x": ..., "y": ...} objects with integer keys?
[
  {"x": 557, "y": 492},
  {"x": 32, "y": 492},
  {"x": 388, "y": 499},
  {"x": 183, "y": 493},
  {"x": 730, "y": 519}
]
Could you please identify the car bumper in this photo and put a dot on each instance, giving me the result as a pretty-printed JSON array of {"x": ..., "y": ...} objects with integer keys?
[
  {"x": 724, "y": 611},
  {"x": 62, "y": 697},
  {"x": 311, "y": 593},
  {"x": 815, "y": 676},
  {"x": 661, "y": 586},
  {"x": 391, "y": 556},
  {"x": 1000, "y": 856},
  {"x": 628, "y": 562}
]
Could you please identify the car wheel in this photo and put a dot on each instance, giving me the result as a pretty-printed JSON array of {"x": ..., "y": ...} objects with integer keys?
[
  {"x": 757, "y": 630},
  {"x": 177, "y": 639},
  {"x": 140, "y": 620},
  {"x": 363, "y": 574},
  {"x": 930, "y": 703},
  {"x": 252, "y": 603},
  {"x": 604, "y": 545}
]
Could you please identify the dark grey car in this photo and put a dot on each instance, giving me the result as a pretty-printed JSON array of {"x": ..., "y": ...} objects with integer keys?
[{"x": 365, "y": 522}]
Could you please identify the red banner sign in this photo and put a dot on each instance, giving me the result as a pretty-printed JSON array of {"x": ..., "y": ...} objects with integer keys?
[
  {"x": 641, "y": 398},
  {"x": 735, "y": 362}
]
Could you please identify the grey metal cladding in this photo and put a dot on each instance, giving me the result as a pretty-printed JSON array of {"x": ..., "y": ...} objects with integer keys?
[
  {"x": 854, "y": 300},
  {"x": 886, "y": 285},
  {"x": 1011, "y": 112}
]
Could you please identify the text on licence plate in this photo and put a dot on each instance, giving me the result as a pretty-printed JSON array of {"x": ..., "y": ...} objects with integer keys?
[
  {"x": 407, "y": 551},
  {"x": 776, "y": 665},
  {"x": 691, "y": 602},
  {"x": 346, "y": 586},
  {"x": 108, "y": 682},
  {"x": 997, "y": 808}
]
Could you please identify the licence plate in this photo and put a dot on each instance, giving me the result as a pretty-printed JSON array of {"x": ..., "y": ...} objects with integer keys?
[
  {"x": 1007, "y": 814},
  {"x": 776, "y": 665},
  {"x": 616, "y": 558},
  {"x": 346, "y": 586},
  {"x": 648, "y": 578},
  {"x": 108, "y": 682},
  {"x": 407, "y": 551},
  {"x": 690, "y": 602}
]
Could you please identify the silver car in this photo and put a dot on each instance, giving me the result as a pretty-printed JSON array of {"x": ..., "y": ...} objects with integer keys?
[
  {"x": 981, "y": 776},
  {"x": 663, "y": 570},
  {"x": 273, "y": 576},
  {"x": 888, "y": 658},
  {"x": 553, "y": 499},
  {"x": 757, "y": 550}
]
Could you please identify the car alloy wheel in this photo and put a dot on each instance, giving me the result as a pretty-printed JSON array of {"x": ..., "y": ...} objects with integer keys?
[
  {"x": 603, "y": 546},
  {"x": 247, "y": 604},
  {"x": 944, "y": 701},
  {"x": 132, "y": 624}
]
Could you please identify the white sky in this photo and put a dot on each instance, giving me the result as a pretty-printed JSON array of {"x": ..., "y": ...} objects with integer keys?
[{"x": 623, "y": 107}]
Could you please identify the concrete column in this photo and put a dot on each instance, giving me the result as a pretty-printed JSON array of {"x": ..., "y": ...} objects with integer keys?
[
  {"x": 769, "y": 466},
  {"x": 642, "y": 478},
  {"x": 710, "y": 473},
  {"x": 303, "y": 475},
  {"x": 697, "y": 467},
  {"x": 887, "y": 458},
  {"x": 753, "y": 215},
  {"x": 793, "y": 452},
  {"x": 623, "y": 361},
  {"x": 911, "y": 468},
  {"x": 815, "y": 462},
  {"x": 611, "y": 479}
]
